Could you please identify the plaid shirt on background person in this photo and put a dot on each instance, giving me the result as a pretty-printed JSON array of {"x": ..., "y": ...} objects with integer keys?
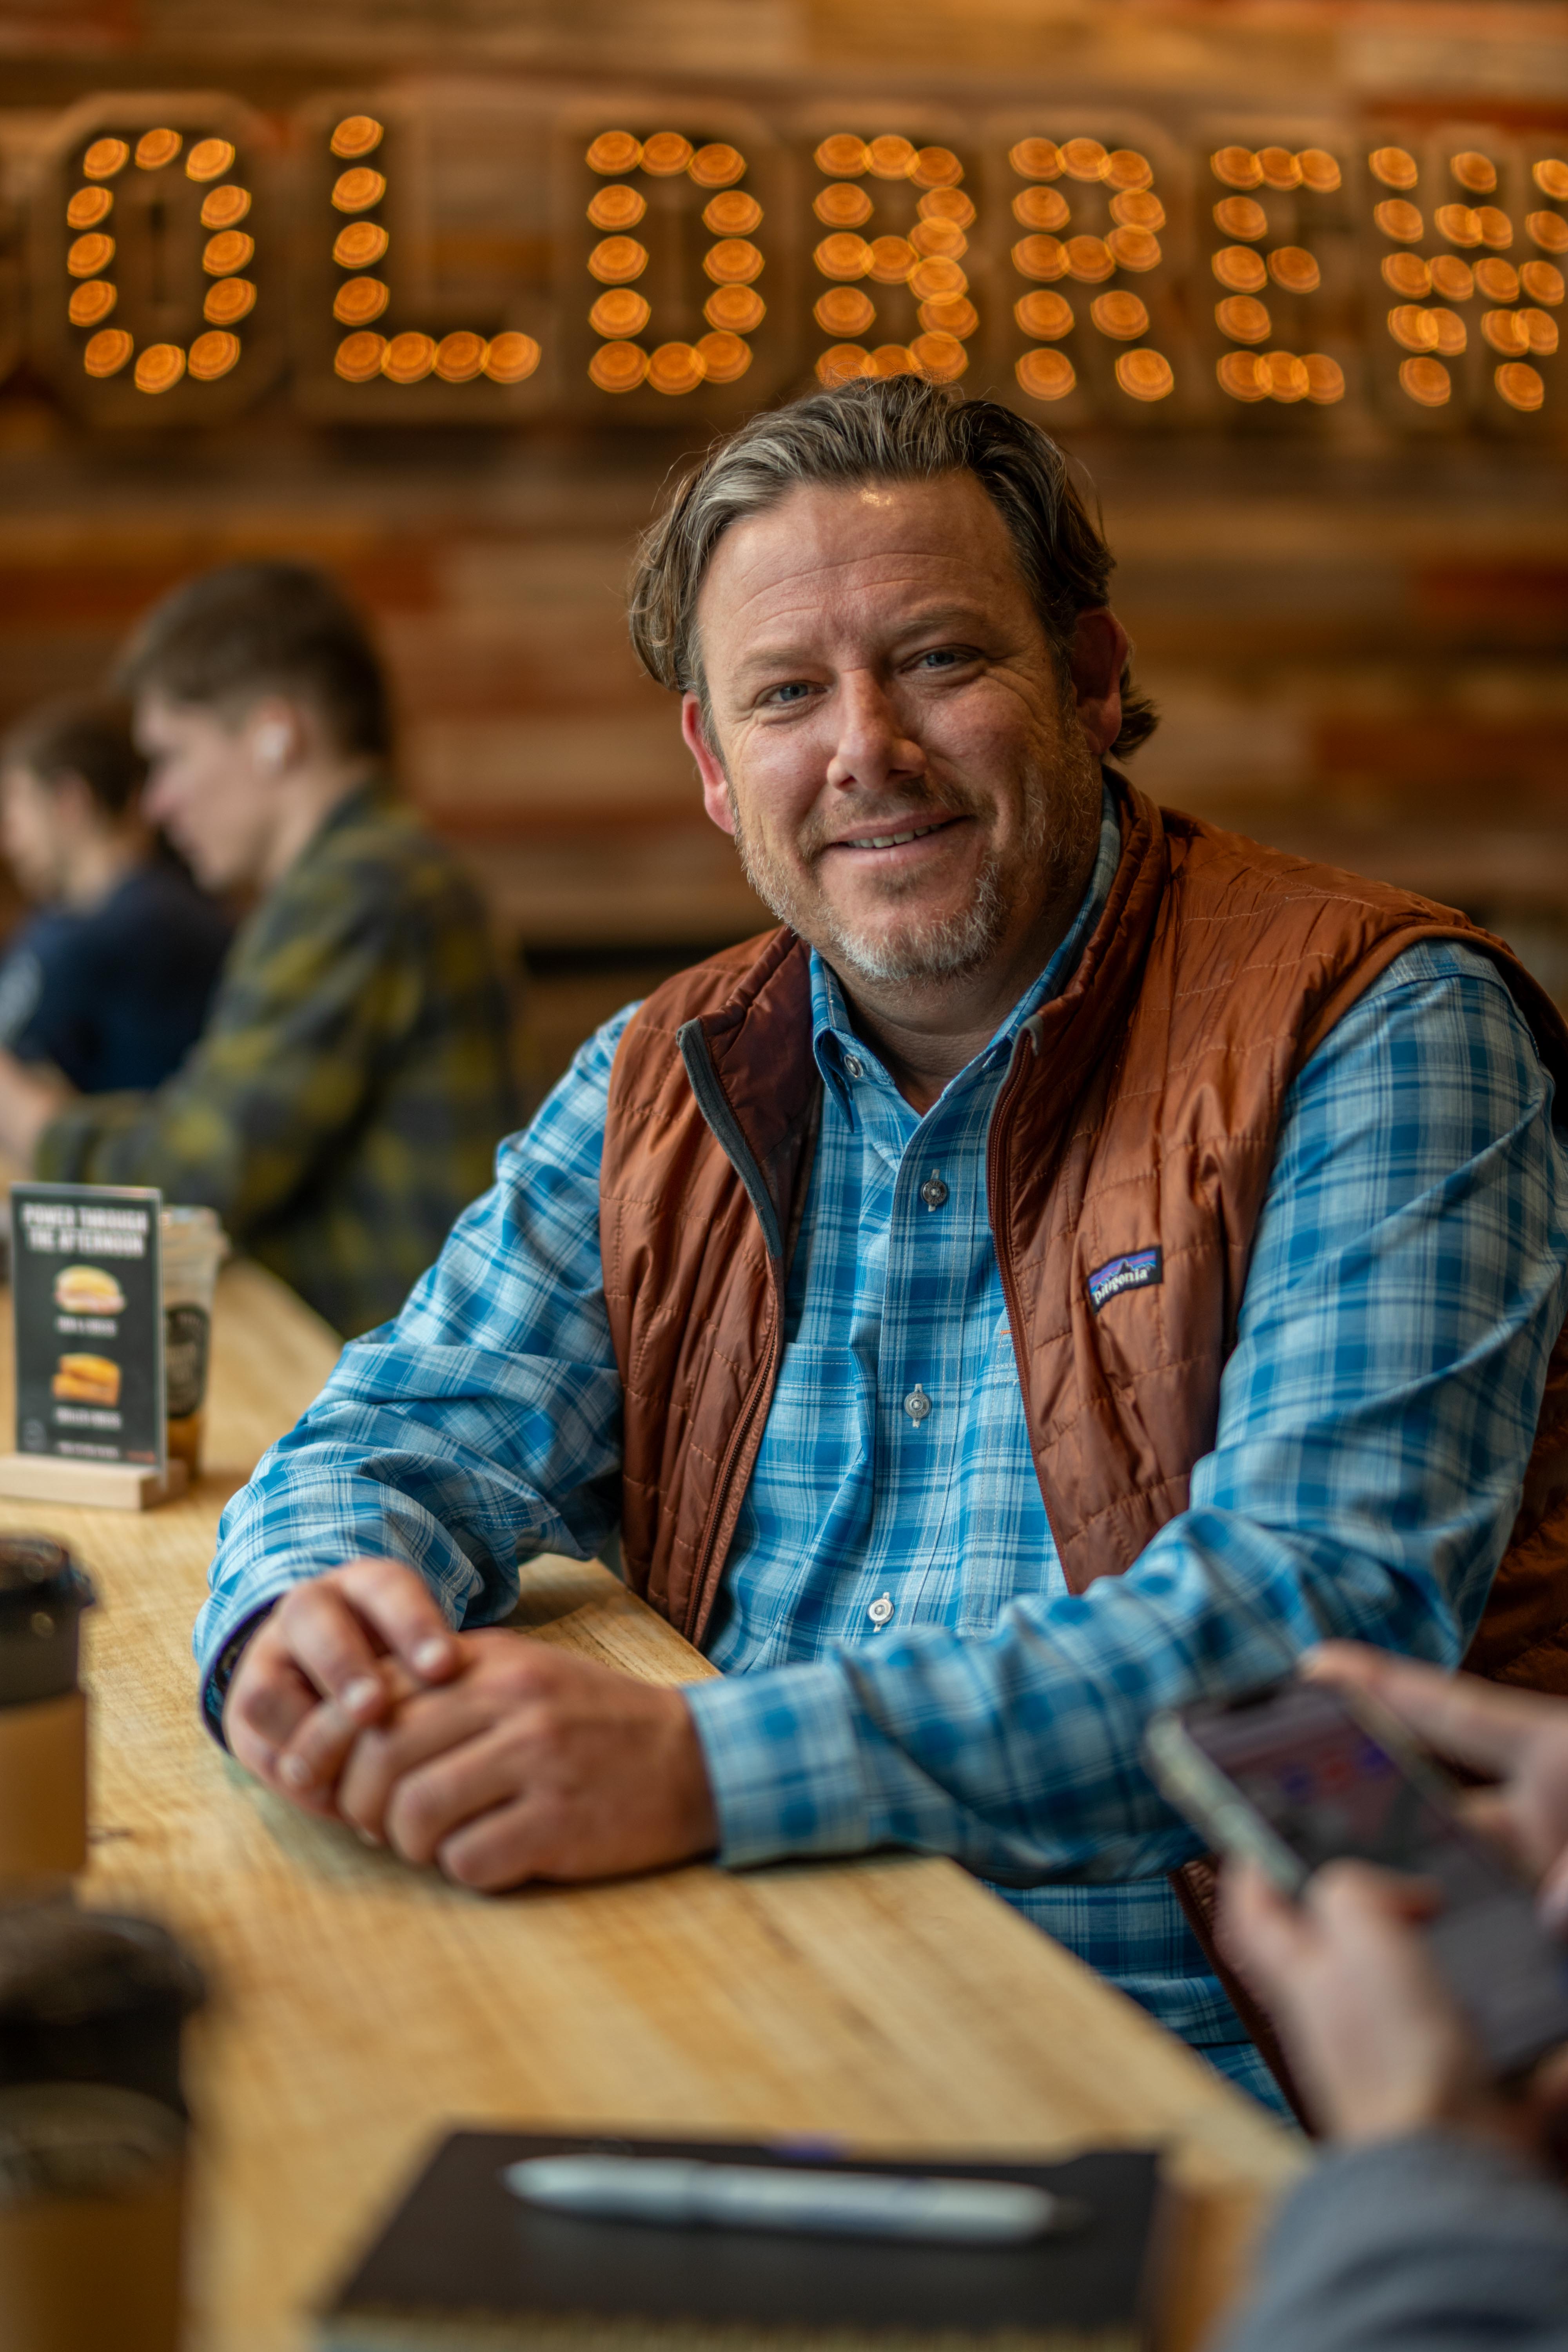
[
  {"x": 344, "y": 1101},
  {"x": 903, "y": 1663}
]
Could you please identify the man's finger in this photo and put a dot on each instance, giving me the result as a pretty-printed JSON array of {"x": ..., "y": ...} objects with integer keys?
[
  {"x": 430, "y": 1804},
  {"x": 255, "y": 1747},
  {"x": 425, "y": 1727},
  {"x": 329, "y": 1643},
  {"x": 308, "y": 1766},
  {"x": 1377, "y": 1906},
  {"x": 1459, "y": 1716},
  {"x": 266, "y": 1761},
  {"x": 1267, "y": 1933},
  {"x": 499, "y": 1850},
  {"x": 396, "y": 1602},
  {"x": 1493, "y": 1813},
  {"x": 314, "y": 1755},
  {"x": 268, "y": 1700}
]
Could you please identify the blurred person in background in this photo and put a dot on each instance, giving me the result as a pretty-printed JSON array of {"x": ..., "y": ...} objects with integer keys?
[
  {"x": 1437, "y": 2224},
  {"x": 346, "y": 1097},
  {"x": 110, "y": 983}
]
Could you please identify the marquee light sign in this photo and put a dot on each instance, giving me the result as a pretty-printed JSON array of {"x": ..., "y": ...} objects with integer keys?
[
  {"x": 154, "y": 263},
  {"x": 491, "y": 252}
]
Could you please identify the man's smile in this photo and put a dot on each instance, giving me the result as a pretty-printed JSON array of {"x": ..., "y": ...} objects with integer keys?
[{"x": 896, "y": 840}]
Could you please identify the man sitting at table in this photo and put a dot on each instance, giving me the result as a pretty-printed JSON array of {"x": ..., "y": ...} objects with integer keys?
[
  {"x": 1081, "y": 1260},
  {"x": 348, "y": 1092}
]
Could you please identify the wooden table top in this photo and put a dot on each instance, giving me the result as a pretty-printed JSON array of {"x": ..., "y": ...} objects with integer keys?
[{"x": 360, "y": 2009}]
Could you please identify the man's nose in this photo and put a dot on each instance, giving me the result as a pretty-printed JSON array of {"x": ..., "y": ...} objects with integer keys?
[{"x": 871, "y": 747}]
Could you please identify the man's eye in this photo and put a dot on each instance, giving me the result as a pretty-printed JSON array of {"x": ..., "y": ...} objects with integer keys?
[
  {"x": 946, "y": 658},
  {"x": 795, "y": 691}
]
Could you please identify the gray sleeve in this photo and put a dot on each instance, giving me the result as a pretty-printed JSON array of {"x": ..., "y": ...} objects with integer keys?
[{"x": 1435, "y": 2244}]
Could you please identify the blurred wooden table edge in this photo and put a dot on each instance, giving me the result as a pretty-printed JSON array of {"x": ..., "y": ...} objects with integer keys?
[{"x": 360, "y": 2009}]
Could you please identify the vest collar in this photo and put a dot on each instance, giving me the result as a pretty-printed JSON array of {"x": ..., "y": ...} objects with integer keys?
[
  {"x": 754, "y": 1075},
  {"x": 1069, "y": 1034}
]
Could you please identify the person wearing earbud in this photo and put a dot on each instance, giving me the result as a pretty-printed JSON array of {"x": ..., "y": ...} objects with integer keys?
[{"x": 346, "y": 1100}]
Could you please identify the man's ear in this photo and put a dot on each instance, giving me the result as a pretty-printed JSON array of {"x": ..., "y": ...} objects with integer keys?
[
  {"x": 715, "y": 783},
  {"x": 1100, "y": 650}
]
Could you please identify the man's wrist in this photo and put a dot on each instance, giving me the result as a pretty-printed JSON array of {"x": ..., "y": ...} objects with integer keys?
[
  {"x": 696, "y": 1803},
  {"x": 218, "y": 1680}
]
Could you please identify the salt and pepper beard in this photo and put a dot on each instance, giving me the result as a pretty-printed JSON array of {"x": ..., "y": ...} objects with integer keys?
[{"x": 1059, "y": 818}]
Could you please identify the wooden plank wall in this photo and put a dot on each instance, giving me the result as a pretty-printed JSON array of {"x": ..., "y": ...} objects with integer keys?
[{"x": 1357, "y": 654}]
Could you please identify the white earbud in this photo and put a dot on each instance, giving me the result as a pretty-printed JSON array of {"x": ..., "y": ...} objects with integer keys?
[{"x": 273, "y": 744}]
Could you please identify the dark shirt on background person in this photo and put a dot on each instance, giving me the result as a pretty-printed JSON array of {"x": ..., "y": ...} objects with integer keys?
[
  {"x": 346, "y": 1100},
  {"x": 115, "y": 995}
]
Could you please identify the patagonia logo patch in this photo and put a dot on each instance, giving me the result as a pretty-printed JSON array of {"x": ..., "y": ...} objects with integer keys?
[{"x": 1139, "y": 1270}]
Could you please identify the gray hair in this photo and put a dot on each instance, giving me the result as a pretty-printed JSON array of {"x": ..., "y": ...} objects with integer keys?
[{"x": 888, "y": 429}]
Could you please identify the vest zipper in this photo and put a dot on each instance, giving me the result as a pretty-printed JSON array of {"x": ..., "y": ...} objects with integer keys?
[
  {"x": 999, "y": 1208},
  {"x": 726, "y": 1130},
  {"x": 719, "y": 1511}
]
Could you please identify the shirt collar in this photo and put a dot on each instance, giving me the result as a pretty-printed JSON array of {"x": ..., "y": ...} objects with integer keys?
[
  {"x": 832, "y": 1036},
  {"x": 372, "y": 792}
]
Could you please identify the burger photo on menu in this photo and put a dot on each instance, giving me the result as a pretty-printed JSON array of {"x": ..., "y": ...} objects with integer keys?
[
  {"x": 86, "y": 1379},
  {"x": 88, "y": 1325},
  {"x": 87, "y": 1290}
]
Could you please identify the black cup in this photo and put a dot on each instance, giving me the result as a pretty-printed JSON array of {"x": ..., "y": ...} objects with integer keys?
[
  {"x": 42, "y": 1715},
  {"x": 92, "y": 2130}
]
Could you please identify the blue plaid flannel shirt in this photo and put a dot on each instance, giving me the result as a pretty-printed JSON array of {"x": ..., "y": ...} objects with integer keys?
[{"x": 903, "y": 1663}]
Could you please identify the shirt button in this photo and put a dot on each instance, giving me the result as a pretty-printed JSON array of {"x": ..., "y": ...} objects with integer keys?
[
  {"x": 855, "y": 1066},
  {"x": 880, "y": 1611},
  {"x": 917, "y": 1404},
  {"x": 933, "y": 1191}
]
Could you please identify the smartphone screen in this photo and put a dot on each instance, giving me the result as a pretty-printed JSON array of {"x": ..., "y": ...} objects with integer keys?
[{"x": 1331, "y": 1787}]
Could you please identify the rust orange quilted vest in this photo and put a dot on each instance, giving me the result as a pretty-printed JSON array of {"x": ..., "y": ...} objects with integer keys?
[{"x": 1140, "y": 1111}]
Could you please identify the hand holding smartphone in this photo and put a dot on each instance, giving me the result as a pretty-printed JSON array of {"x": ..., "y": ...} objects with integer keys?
[{"x": 1294, "y": 1774}]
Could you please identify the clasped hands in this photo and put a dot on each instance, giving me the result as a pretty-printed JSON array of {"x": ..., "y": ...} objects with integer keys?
[
  {"x": 500, "y": 1759},
  {"x": 492, "y": 1756}
]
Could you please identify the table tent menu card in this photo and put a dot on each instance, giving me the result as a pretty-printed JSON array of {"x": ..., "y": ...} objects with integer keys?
[{"x": 89, "y": 1322}]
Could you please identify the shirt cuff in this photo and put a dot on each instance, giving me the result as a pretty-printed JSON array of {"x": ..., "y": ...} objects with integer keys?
[
  {"x": 226, "y": 1626},
  {"x": 221, "y": 1673},
  {"x": 784, "y": 1764}
]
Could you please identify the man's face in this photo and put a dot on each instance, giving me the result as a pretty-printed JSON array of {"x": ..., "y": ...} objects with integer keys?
[
  {"x": 207, "y": 789},
  {"x": 894, "y": 751},
  {"x": 30, "y": 834}
]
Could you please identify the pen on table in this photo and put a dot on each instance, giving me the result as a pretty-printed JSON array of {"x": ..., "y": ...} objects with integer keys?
[{"x": 683, "y": 2192}]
